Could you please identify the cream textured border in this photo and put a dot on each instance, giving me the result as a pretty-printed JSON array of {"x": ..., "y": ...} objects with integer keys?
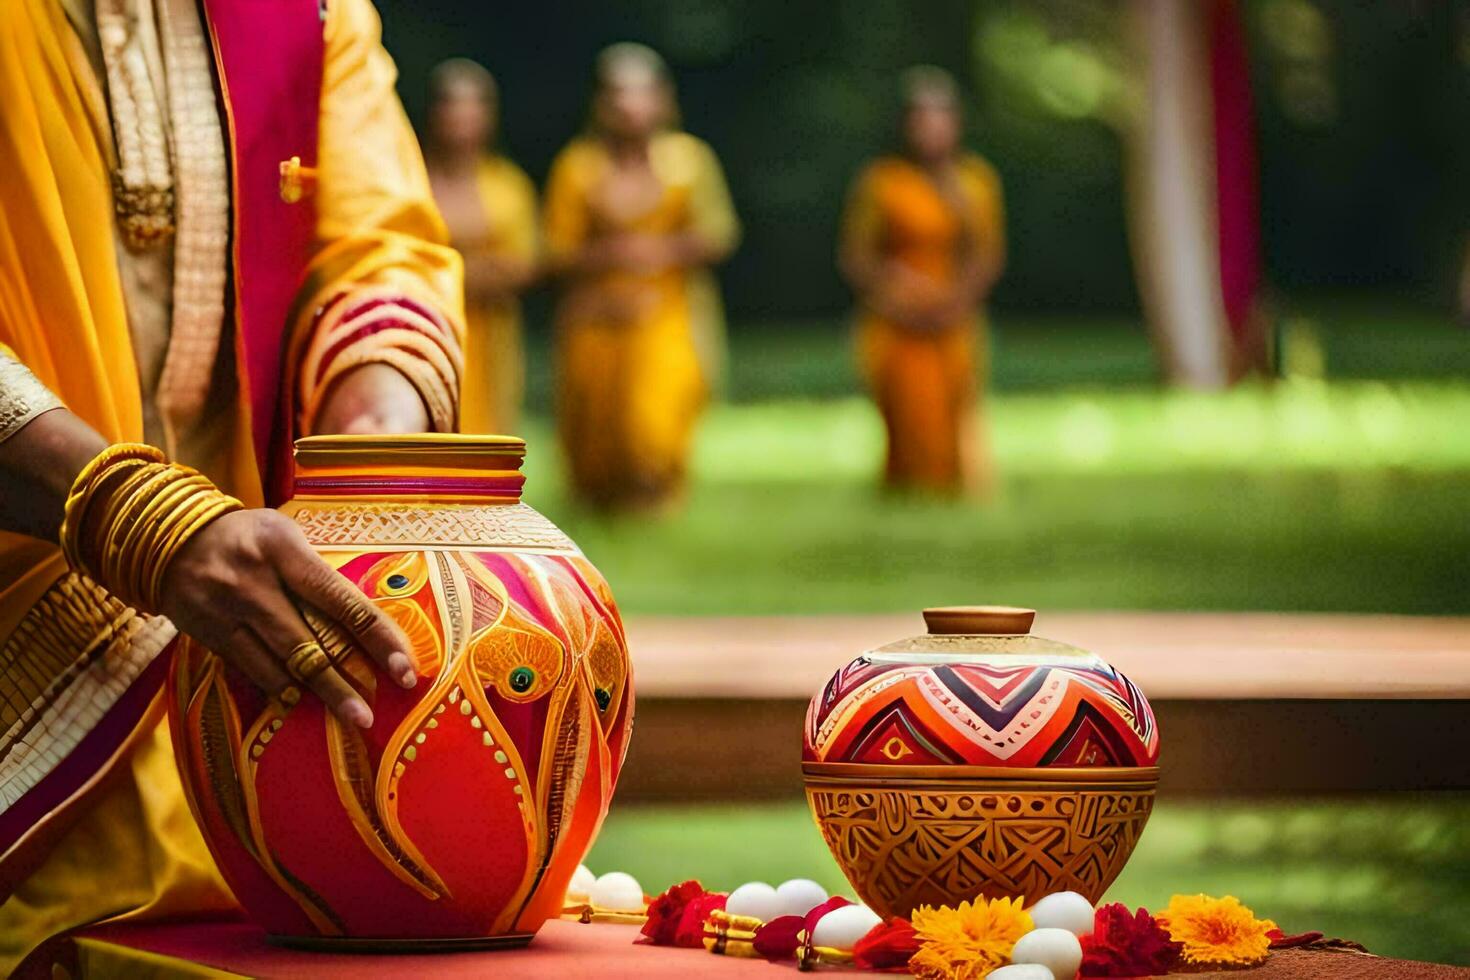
[
  {"x": 76, "y": 652},
  {"x": 22, "y": 396},
  {"x": 388, "y": 525}
]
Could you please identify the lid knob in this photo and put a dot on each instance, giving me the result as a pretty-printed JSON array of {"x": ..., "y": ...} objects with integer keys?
[{"x": 971, "y": 620}]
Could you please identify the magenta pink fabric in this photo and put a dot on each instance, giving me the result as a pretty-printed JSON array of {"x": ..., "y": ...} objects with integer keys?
[
  {"x": 269, "y": 55},
  {"x": 1235, "y": 166}
]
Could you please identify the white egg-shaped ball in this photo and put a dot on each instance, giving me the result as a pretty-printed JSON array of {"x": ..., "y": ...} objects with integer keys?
[
  {"x": 579, "y": 889},
  {"x": 1021, "y": 971},
  {"x": 1064, "y": 910},
  {"x": 1056, "y": 949},
  {"x": 617, "y": 891},
  {"x": 842, "y": 928},
  {"x": 754, "y": 898},
  {"x": 799, "y": 896}
]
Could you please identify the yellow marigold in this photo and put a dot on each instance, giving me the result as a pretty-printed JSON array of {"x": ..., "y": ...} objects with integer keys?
[
  {"x": 1216, "y": 931},
  {"x": 968, "y": 942}
]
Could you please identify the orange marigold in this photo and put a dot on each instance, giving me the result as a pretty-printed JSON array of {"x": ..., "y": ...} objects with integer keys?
[
  {"x": 967, "y": 942},
  {"x": 1217, "y": 931}
]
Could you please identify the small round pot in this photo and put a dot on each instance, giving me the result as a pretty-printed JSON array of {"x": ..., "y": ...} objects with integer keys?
[
  {"x": 458, "y": 818},
  {"x": 978, "y": 760}
]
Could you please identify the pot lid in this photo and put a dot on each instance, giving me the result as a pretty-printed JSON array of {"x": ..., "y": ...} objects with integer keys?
[
  {"x": 411, "y": 449},
  {"x": 978, "y": 620},
  {"x": 959, "y": 633}
]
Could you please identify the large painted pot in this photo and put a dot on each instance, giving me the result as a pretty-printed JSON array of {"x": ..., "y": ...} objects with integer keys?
[
  {"x": 460, "y": 816},
  {"x": 979, "y": 760}
]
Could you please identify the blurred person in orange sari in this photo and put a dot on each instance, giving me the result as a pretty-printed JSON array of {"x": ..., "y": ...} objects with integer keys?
[
  {"x": 216, "y": 234},
  {"x": 636, "y": 212},
  {"x": 489, "y": 205},
  {"x": 923, "y": 242}
]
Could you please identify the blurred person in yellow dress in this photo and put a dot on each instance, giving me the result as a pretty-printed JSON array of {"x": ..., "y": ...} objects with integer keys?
[
  {"x": 216, "y": 234},
  {"x": 636, "y": 211},
  {"x": 489, "y": 205},
  {"x": 922, "y": 243}
]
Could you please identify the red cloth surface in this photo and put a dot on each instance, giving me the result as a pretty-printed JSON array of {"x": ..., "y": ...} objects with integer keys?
[
  {"x": 560, "y": 950},
  {"x": 606, "y": 952}
]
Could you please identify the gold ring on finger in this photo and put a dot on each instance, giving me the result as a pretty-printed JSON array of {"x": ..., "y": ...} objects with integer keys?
[{"x": 306, "y": 660}]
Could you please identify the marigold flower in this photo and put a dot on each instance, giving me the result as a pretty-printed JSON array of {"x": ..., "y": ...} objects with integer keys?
[
  {"x": 1217, "y": 931},
  {"x": 967, "y": 942}
]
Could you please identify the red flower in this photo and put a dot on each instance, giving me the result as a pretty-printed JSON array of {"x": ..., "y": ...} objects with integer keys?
[
  {"x": 690, "y": 934},
  {"x": 1124, "y": 945},
  {"x": 780, "y": 938},
  {"x": 1280, "y": 940},
  {"x": 666, "y": 912},
  {"x": 887, "y": 946}
]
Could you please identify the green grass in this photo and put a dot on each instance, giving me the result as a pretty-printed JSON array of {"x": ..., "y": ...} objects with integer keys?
[
  {"x": 1357, "y": 338},
  {"x": 1391, "y": 873},
  {"x": 1351, "y": 494},
  {"x": 1343, "y": 496}
]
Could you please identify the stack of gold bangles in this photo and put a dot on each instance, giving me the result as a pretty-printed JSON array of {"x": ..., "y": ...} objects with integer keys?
[{"x": 129, "y": 513}]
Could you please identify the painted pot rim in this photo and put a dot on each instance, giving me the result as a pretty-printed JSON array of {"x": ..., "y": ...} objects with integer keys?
[
  {"x": 421, "y": 448},
  {"x": 830, "y": 773}
]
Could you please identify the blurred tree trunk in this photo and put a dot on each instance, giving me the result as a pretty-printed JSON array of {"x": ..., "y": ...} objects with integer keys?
[{"x": 1193, "y": 202}]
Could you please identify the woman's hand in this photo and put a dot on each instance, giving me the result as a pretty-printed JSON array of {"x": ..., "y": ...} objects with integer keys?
[
  {"x": 235, "y": 587},
  {"x": 919, "y": 302},
  {"x": 372, "y": 399},
  {"x": 493, "y": 278}
]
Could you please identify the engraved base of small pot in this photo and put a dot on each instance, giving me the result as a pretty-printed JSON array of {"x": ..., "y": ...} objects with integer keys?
[{"x": 932, "y": 841}]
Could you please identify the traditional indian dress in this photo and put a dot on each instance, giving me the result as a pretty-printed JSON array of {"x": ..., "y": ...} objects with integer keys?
[
  {"x": 636, "y": 353},
  {"x": 926, "y": 381},
  {"x": 505, "y": 226},
  {"x": 267, "y": 239}
]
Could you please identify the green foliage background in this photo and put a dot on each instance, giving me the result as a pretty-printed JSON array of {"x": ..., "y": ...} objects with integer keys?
[{"x": 1361, "y": 111}]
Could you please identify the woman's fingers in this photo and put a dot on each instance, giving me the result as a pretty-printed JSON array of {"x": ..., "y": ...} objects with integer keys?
[
  {"x": 244, "y": 651},
  {"x": 319, "y": 584},
  {"x": 282, "y": 631},
  {"x": 341, "y": 698}
]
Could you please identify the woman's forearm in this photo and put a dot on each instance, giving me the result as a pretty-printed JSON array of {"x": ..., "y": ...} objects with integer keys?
[
  {"x": 38, "y": 464},
  {"x": 495, "y": 277},
  {"x": 690, "y": 249},
  {"x": 584, "y": 260},
  {"x": 860, "y": 269}
]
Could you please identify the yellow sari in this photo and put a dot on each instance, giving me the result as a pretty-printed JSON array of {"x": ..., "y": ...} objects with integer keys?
[
  {"x": 635, "y": 352},
  {"x": 925, "y": 381},
  {"x": 494, "y": 382},
  {"x": 122, "y": 842}
]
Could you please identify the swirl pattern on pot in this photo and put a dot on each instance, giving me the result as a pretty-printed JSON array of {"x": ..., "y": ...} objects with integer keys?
[{"x": 461, "y": 814}]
